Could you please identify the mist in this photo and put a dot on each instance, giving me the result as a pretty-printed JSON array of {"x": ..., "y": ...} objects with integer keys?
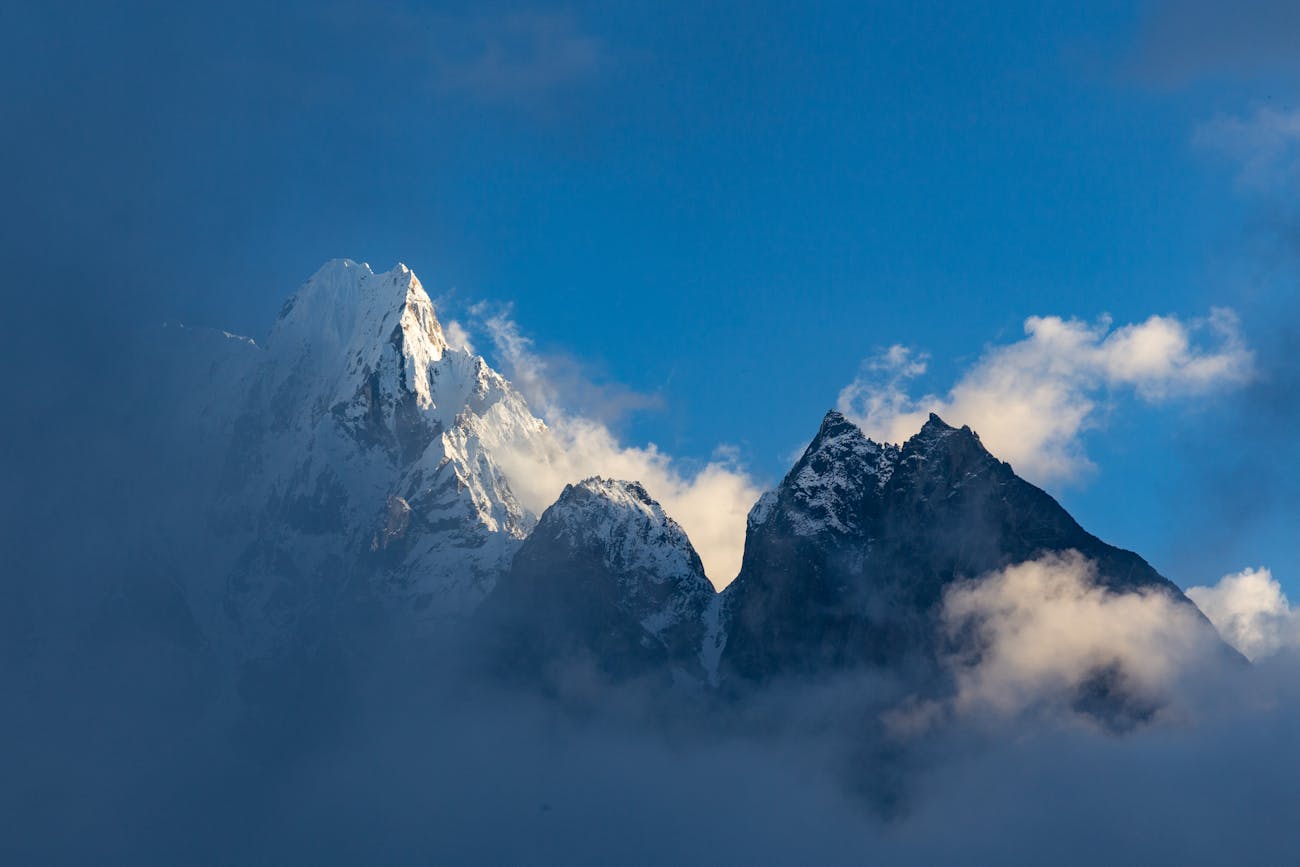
[{"x": 412, "y": 753}]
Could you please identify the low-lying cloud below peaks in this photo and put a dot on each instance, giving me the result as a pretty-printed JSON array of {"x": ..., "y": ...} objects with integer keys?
[{"x": 1047, "y": 630}]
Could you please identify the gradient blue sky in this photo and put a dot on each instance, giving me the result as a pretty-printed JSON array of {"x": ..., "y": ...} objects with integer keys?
[{"x": 723, "y": 206}]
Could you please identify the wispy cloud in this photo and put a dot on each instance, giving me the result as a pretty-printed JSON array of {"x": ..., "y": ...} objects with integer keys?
[
  {"x": 519, "y": 56},
  {"x": 1265, "y": 146},
  {"x": 457, "y": 336},
  {"x": 1031, "y": 400},
  {"x": 710, "y": 499},
  {"x": 555, "y": 383}
]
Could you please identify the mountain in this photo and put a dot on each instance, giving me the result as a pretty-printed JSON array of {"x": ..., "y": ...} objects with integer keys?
[
  {"x": 359, "y": 465},
  {"x": 355, "y": 471},
  {"x": 606, "y": 583},
  {"x": 846, "y": 562}
]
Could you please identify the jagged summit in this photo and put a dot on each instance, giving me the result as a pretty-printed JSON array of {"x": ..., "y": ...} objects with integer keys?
[
  {"x": 835, "y": 423},
  {"x": 836, "y": 427},
  {"x": 935, "y": 425},
  {"x": 837, "y": 440},
  {"x": 826, "y": 488},
  {"x": 347, "y": 322},
  {"x": 936, "y": 431},
  {"x": 342, "y": 294},
  {"x": 833, "y": 473},
  {"x": 943, "y": 453}
]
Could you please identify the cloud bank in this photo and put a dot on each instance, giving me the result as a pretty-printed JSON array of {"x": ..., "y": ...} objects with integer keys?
[
  {"x": 428, "y": 768},
  {"x": 1031, "y": 400},
  {"x": 1047, "y": 631}
]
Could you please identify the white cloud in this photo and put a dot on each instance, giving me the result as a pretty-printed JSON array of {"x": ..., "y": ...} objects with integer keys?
[
  {"x": 457, "y": 336},
  {"x": 1251, "y": 612},
  {"x": 710, "y": 501},
  {"x": 1044, "y": 628},
  {"x": 1265, "y": 145},
  {"x": 1031, "y": 400}
]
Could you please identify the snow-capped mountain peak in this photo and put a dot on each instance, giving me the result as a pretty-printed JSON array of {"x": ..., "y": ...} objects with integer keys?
[
  {"x": 361, "y": 445},
  {"x": 626, "y": 526},
  {"x": 343, "y": 320},
  {"x": 821, "y": 491},
  {"x": 605, "y": 559}
]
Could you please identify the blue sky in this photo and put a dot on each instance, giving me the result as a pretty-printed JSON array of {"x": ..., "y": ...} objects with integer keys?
[{"x": 725, "y": 209}]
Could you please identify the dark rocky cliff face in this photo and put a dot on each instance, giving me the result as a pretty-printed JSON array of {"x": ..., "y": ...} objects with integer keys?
[
  {"x": 605, "y": 585},
  {"x": 846, "y": 562}
]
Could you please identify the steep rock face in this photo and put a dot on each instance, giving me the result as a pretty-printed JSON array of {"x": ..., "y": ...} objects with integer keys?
[
  {"x": 362, "y": 465},
  {"x": 846, "y": 562},
  {"x": 607, "y": 581}
]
